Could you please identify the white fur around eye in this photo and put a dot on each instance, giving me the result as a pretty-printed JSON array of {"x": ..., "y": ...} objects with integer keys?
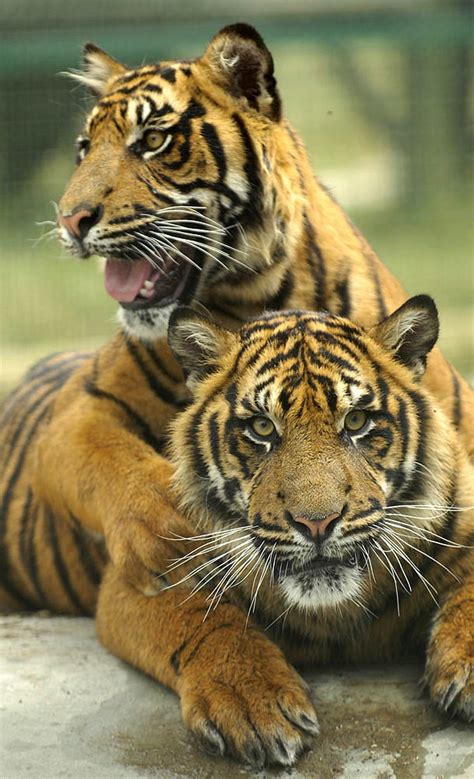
[
  {"x": 267, "y": 445},
  {"x": 82, "y": 146}
]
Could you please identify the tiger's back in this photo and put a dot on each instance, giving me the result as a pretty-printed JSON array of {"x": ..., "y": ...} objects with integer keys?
[{"x": 45, "y": 562}]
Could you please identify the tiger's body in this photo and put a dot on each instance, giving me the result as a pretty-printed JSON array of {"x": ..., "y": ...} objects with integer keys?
[
  {"x": 270, "y": 236},
  {"x": 333, "y": 507},
  {"x": 195, "y": 190}
]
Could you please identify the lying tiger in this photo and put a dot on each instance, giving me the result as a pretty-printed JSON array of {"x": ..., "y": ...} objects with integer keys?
[
  {"x": 335, "y": 509},
  {"x": 196, "y": 190}
]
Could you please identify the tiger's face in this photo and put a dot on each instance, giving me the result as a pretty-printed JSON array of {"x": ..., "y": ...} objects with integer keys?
[
  {"x": 304, "y": 428},
  {"x": 167, "y": 177}
]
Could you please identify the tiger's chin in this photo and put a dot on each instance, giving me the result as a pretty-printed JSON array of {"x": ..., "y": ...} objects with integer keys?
[
  {"x": 146, "y": 324},
  {"x": 327, "y": 588}
]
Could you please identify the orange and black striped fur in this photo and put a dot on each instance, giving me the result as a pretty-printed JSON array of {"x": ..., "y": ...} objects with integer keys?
[
  {"x": 332, "y": 505},
  {"x": 189, "y": 167},
  {"x": 225, "y": 213}
]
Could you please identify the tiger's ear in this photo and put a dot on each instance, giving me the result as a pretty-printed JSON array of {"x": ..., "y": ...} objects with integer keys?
[
  {"x": 98, "y": 68},
  {"x": 410, "y": 332},
  {"x": 241, "y": 63},
  {"x": 196, "y": 342}
]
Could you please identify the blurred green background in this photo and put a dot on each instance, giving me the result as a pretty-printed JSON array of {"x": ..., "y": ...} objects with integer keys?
[{"x": 379, "y": 90}]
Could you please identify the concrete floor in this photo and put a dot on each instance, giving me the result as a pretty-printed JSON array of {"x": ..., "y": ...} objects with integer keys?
[{"x": 69, "y": 709}]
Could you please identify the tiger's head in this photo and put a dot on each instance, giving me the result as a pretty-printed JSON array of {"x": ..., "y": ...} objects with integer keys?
[
  {"x": 173, "y": 184},
  {"x": 306, "y": 429}
]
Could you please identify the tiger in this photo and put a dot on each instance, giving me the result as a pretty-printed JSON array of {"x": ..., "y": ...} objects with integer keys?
[
  {"x": 196, "y": 190},
  {"x": 333, "y": 513}
]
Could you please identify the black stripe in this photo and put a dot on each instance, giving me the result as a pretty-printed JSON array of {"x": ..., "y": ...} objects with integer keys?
[
  {"x": 8, "y": 494},
  {"x": 415, "y": 486},
  {"x": 52, "y": 363},
  {"x": 368, "y": 528},
  {"x": 144, "y": 431},
  {"x": 198, "y": 645},
  {"x": 280, "y": 298},
  {"x": 210, "y": 135},
  {"x": 32, "y": 383},
  {"x": 164, "y": 198},
  {"x": 154, "y": 355},
  {"x": 327, "y": 386},
  {"x": 382, "y": 308},
  {"x": 25, "y": 521},
  {"x": 404, "y": 428},
  {"x": 253, "y": 211},
  {"x": 152, "y": 88},
  {"x": 31, "y": 558},
  {"x": 456, "y": 411},
  {"x": 200, "y": 183},
  {"x": 59, "y": 564},
  {"x": 21, "y": 421},
  {"x": 7, "y": 585},
  {"x": 334, "y": 359},
  {"x": 5, "y": 562},
  {"x": 193, "y": 436},
  {"x": 184, "y": 129},
  {"x": 375, "y": 505},
  {"x": 214, "y": 441},
  {"x": 383, "y": 433},
  {"x": 272, "y": 364},
  {"x": 342, "y": 291},
  {"x": 117, "y": 220},
  {"x": 117, "y": 126},
  {"x": 156, "y": 386},
  {"x": 87, "y": 561},
  {"x": 316, "y": 261},
  {"x": 271, "y": 527}
]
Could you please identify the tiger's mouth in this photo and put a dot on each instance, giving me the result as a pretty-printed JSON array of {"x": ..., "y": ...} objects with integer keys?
[
  {"x": 139, "y": 284},
  {"x": 321, "y": 565}
]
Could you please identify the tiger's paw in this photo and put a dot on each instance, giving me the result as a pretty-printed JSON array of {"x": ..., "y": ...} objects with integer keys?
[
  {"x": 264, "y": 718},
  {"x": 451, "y": 687},
  {"x": 449, "y": 673}
]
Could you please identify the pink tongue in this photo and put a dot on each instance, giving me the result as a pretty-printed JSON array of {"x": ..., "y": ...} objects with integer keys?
[{"x": 124, "y": 280}]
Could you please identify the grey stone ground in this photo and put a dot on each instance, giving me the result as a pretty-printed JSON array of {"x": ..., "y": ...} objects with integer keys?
[{"x": 69, "y": 709}]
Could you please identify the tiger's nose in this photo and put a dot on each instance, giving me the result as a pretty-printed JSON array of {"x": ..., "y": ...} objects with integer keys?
[
  {"x": 80, "y": 221},
  {"x": 318, "y": 527}
]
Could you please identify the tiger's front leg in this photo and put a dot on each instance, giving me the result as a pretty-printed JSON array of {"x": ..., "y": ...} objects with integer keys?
[
  {"x": 449, "y": 673},
  {"x": 238, "y": 693},
  {"x": 93, "y": 469}
]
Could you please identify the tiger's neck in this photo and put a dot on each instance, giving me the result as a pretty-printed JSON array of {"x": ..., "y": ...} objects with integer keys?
[{"x": 305, "y": 249}]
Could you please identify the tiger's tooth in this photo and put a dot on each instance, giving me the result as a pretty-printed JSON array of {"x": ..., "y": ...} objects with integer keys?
[{"x": 148, "y": 284}]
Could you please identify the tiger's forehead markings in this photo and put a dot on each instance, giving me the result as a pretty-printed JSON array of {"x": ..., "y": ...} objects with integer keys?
[
  {"x": 141, "y": 96},
  {"x": 309, "y": 362}
]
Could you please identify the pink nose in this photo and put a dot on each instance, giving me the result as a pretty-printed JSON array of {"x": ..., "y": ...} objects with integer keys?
[
  {"x": 79, "y": 223},
  {"x": 318, "y": 527}
]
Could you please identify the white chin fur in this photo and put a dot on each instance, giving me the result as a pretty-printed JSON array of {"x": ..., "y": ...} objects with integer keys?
[
  {"x": 322, "y": 592},
  {"x": 147, "y": 324}
]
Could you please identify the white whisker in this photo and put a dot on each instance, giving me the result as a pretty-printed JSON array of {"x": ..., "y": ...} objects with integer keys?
[{"x": 424, "y": 554}]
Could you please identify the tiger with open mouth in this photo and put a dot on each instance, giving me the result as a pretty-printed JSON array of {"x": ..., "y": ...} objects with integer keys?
[
  {"x": 195, "y": 189},
  {"x": 333, "y": 510}
]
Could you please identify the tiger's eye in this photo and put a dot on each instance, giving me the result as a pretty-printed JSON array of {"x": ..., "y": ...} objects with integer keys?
[
  {"x": 262, "y": 426},
  {"x": 153, "y": 139},
  {"x": 355, "y": 421}
]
